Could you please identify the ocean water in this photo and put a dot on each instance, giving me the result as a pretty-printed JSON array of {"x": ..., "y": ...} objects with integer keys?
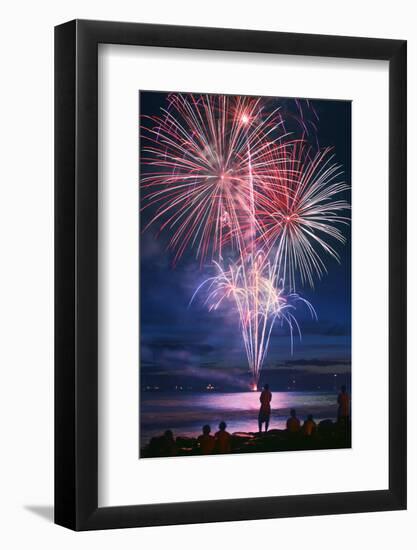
[{"x": 186, "y": 412}]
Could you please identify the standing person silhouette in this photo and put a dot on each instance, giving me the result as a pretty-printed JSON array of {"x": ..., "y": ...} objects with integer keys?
[
  {"x": 265, "y": 410},
  {"x": 343, "y": 409}
]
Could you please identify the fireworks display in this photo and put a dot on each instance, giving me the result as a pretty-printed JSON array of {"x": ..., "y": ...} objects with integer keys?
[{"x": 226, "y": 178}]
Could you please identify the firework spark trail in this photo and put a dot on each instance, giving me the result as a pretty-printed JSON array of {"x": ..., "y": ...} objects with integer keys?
[
  {"x": 221, "y": 174},
  {"x": 300, "y": 213},
  {"x": 251, "y": 288}
]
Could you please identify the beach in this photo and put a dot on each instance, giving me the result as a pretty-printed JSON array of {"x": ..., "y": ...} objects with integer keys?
[{"x": 185, "y": 412}]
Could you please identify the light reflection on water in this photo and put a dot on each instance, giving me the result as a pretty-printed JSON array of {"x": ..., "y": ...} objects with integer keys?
[{"x": 186, "y": 412}]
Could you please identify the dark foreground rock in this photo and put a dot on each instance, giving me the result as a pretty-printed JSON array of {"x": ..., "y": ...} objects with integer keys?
[{"x": 328, "y": 435}]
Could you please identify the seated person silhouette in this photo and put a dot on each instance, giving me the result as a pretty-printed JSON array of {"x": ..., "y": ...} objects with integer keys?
[
  {"x": 265, "y": 410},
  {"x": 309, "y": 426},
  {"x": 168, "y": 445},
  {"x": 206, "y": 441},
  {"x": 223, "y": 440},
  {"x": 293, "y": 423}
]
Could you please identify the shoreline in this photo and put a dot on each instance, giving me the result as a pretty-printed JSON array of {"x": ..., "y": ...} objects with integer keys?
[{"x": 328, "y": 435}]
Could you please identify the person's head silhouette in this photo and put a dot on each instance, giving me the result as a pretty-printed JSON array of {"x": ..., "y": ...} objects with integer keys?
[
  {"x": 343, "y": 388},
  {"x": 310, "y": 417},
  {"x": 293, "y": 413},
  {"x": 206, "y": 429},
  {"x": 222, "y": 426}
]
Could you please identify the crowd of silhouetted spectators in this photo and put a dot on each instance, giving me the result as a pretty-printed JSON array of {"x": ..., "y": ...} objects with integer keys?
[{"x": 221, "y": 441}]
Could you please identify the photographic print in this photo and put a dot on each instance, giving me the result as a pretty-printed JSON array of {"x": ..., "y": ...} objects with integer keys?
[{"x": 245, "y": 274}]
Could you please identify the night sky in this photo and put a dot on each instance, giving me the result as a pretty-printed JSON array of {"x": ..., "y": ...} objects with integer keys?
[{"x": 182, "y": 344}]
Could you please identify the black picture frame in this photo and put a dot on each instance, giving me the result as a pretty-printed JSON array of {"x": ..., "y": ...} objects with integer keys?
[{"x": 76, "y": 271}]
